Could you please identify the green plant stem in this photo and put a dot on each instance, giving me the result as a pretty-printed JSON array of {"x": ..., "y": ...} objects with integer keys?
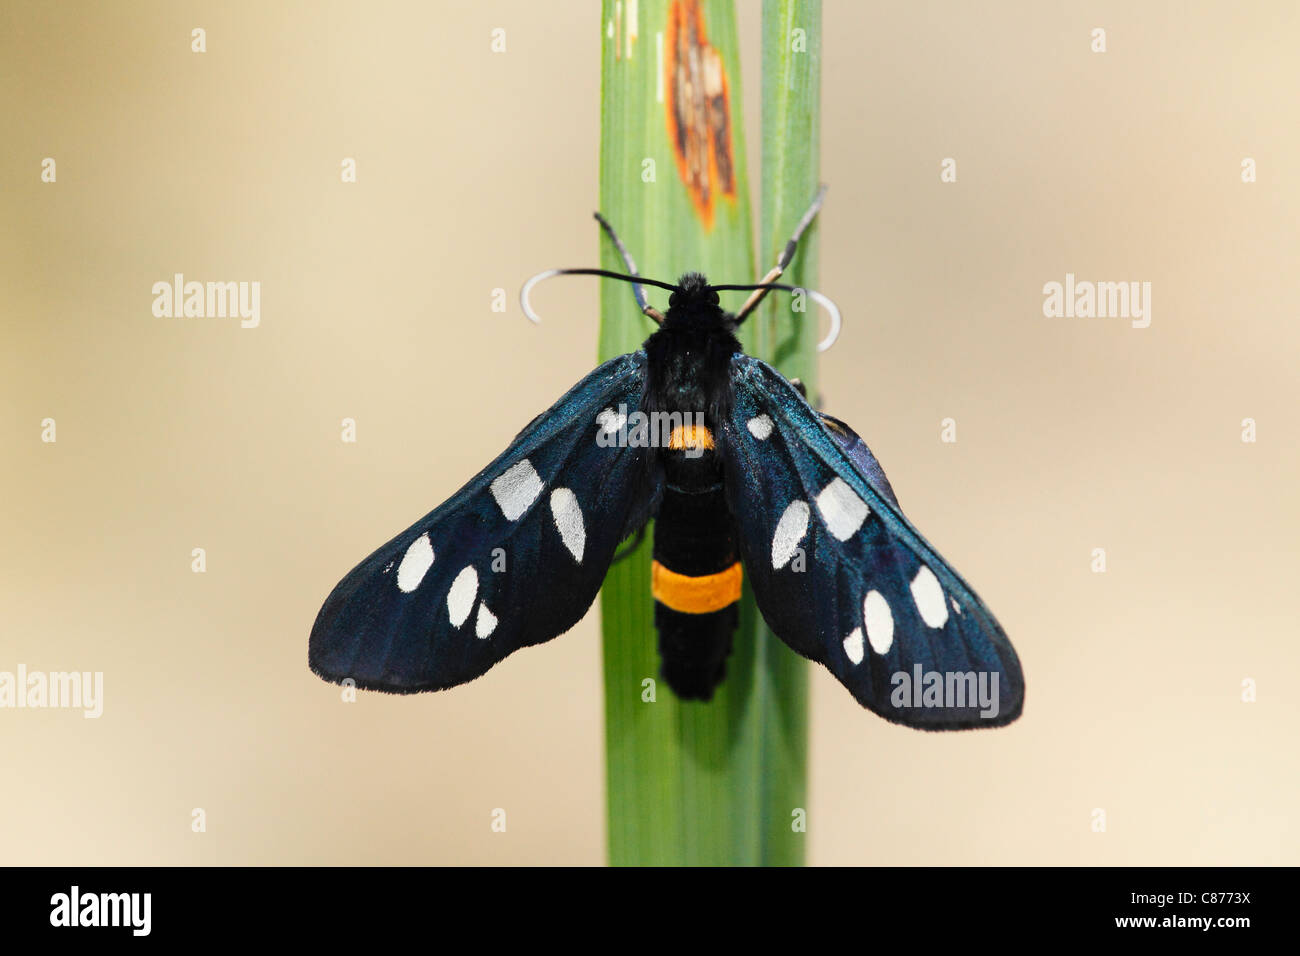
[{"x": 717, "y": 782}]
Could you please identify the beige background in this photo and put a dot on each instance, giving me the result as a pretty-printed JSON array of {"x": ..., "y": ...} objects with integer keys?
[{"x": 477, "y": 170}]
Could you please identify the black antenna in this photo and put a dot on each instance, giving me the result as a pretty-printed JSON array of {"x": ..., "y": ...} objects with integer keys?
[
  {"x": 637, "y": 290},
  {"x": 831, "y": 308},
  {"x": 638, "y": 281},
  {"x": 783, "y": 260},
  {"x": 604, "y": 273},
  {"x": 759, "y": 289}
]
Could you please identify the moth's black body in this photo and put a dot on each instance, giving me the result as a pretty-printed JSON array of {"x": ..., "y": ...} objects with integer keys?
[
  {"x": 687, "y": 367},
  {"x": 695, "y": 536},
  {"x": 764, "y": 482}
]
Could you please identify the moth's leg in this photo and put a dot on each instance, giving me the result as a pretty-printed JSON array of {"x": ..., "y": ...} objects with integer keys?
[
  {"x": 637, "y": 289},
  {"x": 784, "y": 259}
]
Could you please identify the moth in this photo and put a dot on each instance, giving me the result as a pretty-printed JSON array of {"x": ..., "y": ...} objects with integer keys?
[{"x": 744, "y": 479}]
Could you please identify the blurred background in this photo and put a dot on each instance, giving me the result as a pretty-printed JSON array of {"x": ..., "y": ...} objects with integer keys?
[{"x": 476, "y": 169}]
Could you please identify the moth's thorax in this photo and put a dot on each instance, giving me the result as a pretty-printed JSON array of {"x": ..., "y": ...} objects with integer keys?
[
  {"x": 688, "y": 371},
  {"x": 688, "y": 374}
]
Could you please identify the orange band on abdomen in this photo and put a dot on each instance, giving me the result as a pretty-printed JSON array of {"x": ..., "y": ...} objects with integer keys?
[{"x": 698, "y": 595}]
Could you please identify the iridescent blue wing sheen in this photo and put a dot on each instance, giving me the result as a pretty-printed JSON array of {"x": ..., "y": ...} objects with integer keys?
[
  {"x": 860, "y": 455},
  {"x": 844, "y": 578},
  {"x": 514, "y": 558}
]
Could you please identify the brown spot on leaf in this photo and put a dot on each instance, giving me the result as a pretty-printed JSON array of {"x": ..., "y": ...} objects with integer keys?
[{"x": 699, "y": 109}]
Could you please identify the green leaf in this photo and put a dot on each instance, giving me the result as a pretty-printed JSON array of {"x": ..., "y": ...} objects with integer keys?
[{"x": 717, "y": 782}]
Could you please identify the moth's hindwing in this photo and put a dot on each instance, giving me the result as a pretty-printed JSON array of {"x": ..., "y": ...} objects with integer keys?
[
  {"x": 853, "y": 445},
  {"x": 845, "y": 579},
  {"x": 514, "y": 558}
]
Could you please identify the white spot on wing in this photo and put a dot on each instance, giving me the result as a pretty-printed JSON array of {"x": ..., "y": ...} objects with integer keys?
[
  {"x": 927, "y": 592},
  {"x": 853, "y": 645},
  {"x": 485, "y": 623},
  {"x": 879, "y": 621},
  {"x": 516, "y": 488},
  {"x": 842, "y": 510},
  {"x": 568, "y": 521},
  {"x": 460, "y": 599},
  {"x": 789, "y": 532},
  {"x": 611, "y": 421},
  {"x": 760, "y": 427},
  {"x": 416, "y": 563},
  {"x": 955, "y": 606}
]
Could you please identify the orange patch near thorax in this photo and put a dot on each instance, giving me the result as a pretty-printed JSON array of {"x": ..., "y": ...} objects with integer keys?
[{"x": 690, "y": 436}]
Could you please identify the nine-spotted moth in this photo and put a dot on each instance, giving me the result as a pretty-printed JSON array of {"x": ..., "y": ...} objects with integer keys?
[{"x": 744, "y": 480}]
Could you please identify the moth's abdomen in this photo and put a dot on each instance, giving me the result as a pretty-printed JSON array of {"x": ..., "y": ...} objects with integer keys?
[{"x": 696, "y": 574}]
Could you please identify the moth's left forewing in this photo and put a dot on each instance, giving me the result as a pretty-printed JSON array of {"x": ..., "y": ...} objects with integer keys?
[
  {"x": 512, "y": 559},
  {"x": 843, "y": 577}
]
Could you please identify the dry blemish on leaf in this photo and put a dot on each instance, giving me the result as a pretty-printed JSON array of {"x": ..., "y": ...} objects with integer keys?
[{"x": 698, "y": 108}]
